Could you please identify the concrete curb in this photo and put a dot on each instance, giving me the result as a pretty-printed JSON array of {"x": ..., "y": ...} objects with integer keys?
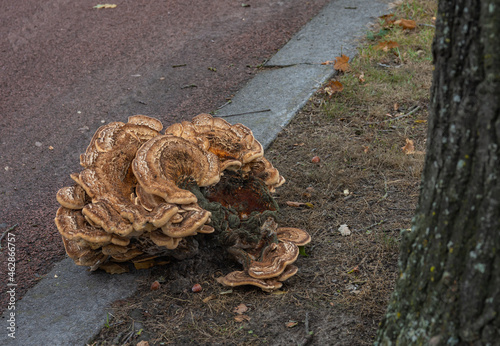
[{"x": 69, "y": 306}]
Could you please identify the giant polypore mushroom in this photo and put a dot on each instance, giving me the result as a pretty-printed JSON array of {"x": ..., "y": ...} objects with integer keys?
[{"x": 142, "y": 194}]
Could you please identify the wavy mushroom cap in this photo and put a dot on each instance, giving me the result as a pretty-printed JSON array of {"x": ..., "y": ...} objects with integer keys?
[
  {"x": 240, "y": 278},
  {"x": 162, "y": 239},
  {"x": 71, "y": 225},
  {"x": 166, "y": 159},
  {"x": 72, "y": 197},
  {"x": 289, "y": 271},
  {"x": 274, "y": 260},
  {"x": 295, "y": 235},
  {"x": 192, "y": 222},
  {"x": 144, "y": 120}
]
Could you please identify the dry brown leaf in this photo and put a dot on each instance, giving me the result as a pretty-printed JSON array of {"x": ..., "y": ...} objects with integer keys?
[
  {"x": 241, "y": 318},
  {"x": 361, "y": 77},
  {"x": 328, "y": 62},
  {"x": 386, "y": 45},
  {"x": 333, "y": 87},
  {"x": 315, "y": 159},
  {"x": 291, "y": 324},
  {"x": 240, "y": 309},
  {"x": 406, "y": 24},
  {"x": 143, "y": 343},
  {"x": 366, "y": 148},
  {"x": 396, "y": 106},
  {"x": 342, "y": 63},
  {"x": 388, "y": 19},
  {"x": 409, "y": 148}
]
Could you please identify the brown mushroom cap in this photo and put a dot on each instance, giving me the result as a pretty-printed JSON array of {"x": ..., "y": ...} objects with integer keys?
[
  {"x": 264, "y": 170},
  {"x": 126, "y": 256},
  {"x": 162, "y": 239},
  {"x": 71, "y": 197},
  {"x": 102, "y": 215},
  {"x": 112, "y": 249},
  {"x": 192, "y": 221},
  {"x": 289, "y": 271},
  {"x": 143, "y": 120},
  {"x": 295, "y": 235},
  {"x": 274, "y": 260},
  {"x": 72, "y": 226},
  {"x": 239, "y": 278},
  {"x": 163, "y": 160}
]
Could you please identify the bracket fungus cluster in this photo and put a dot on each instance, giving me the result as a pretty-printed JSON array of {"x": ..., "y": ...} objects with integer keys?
[{"x": 144, "y": 194}]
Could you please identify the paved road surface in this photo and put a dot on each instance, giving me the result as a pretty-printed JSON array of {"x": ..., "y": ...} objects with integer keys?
[{"x": 65, "y": 68}]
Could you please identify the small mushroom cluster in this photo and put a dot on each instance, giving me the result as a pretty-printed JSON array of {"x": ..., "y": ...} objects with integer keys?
[{"x": 131, "y": 203}]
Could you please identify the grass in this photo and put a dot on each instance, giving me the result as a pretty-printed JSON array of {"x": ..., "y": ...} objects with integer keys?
[{"x": 364, "y": 180}]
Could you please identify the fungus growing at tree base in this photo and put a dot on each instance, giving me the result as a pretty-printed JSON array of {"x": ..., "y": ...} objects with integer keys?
[{"x": 143, "y": 194}]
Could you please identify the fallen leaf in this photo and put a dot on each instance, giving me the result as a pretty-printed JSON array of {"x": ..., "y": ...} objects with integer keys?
[
  {"x": 309, "y": 205},
  {"x": 406, "y": 24},
  {"x": 213, "y": 69},
  {"x": 333, "y": 87},
  {"x": 51, "y": 147},
  {"x": 354, "y": 270},
  {"x": 210, "y": 297},
  {"x": 240, "y": 309},
  {"x": 361, "y": 77},
  {"x": 420, "y": 121},
  {"x": 315, "y": 159},
  {"x": 344, "y": 230},
  {"x": 196, "y": 288},
  {"x": 155, "y": 286},
  {"x": 387, "y": 19},
  {"x": 241, "y": 318},
  {"x": 105, "y": 6},
  {"x": 366, "y": 148},
  {"x": 328, "y": 62},
  {"x": 291, "y": 324},
  {"x": 299, "y": 144},
  {"x": 386, "y": 45},
  {"x": 409, "y": 148},
  {"x": 143, "y": 343},
  {"x": 342, "y": 63}
]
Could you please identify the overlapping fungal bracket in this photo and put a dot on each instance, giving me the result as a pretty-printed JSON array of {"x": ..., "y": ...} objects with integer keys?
[{"x": 128, "y": 203}]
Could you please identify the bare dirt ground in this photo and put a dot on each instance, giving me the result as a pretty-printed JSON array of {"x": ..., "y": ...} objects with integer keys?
[{"x": 364, "y": 180}]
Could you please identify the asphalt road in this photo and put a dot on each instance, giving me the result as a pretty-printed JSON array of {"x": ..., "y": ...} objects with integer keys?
[{"x": 67, "y": 68}]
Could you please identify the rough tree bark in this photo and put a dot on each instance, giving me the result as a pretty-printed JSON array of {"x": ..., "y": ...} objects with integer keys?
[{"x": 449, "y": 286}]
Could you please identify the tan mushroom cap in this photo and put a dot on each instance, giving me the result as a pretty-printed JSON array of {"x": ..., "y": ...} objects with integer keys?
[
  {"x": 162, "y": 239},
  {"x": 289, "y": 271},
  {"x": 161, "y": 161},
  {"x": 126, "y": 256},
  {"x": 72, "y": 225},
  {"x": 275, "y": 258},
  {"x": 240, "y": 278},
  {"x": 295, "y": 235},
  {"x": 112, "y": 249},
  {"x": 71, "y": 197},
  {"x": 144, "y": 120},
  {"x": 193, "y": 221},
  {"x": 83, "y": 254},
  {"x": 264, "y": 170},
  {"x": 102, "y": 215}
]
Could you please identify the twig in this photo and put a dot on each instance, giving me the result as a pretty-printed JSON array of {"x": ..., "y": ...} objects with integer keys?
[
  {"x": 396, "y": 118},
  {"x": 4, "y": 233},
  {"x": 371, "y": 226},
  {"x": 233, "y": 115}
]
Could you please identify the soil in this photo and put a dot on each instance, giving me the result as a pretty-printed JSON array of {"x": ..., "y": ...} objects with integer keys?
[
  {"x": 343, "y": 285},
  {"x": 67, "y": 68}
]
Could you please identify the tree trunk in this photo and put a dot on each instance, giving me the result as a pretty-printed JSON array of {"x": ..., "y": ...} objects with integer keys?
[{"x": 449, "y": 286}]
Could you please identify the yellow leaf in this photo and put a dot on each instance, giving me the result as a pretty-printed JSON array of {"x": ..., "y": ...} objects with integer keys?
[{"x": 342, "y": 63}]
